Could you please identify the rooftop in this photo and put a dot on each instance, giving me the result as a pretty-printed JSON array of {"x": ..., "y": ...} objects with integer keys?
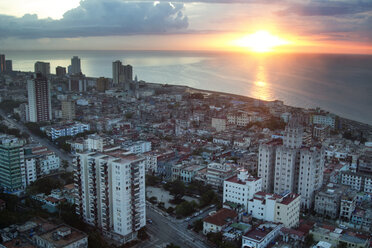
[
  {"x": 59, "y": 241},
  {"x": 222, "y": 217},
  {"x": 260, "y": 232}
]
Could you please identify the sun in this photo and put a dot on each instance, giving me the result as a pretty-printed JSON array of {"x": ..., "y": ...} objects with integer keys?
[{"x": 261, "y": 41}]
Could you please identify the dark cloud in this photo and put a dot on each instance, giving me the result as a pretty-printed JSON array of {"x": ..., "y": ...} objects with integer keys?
[
  {"x": 326, "y": 8},
  {"x": 100, "y": 18}
]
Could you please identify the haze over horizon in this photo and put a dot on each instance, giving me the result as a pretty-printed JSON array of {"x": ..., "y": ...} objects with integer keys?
[{"x": 214, "y": 25}]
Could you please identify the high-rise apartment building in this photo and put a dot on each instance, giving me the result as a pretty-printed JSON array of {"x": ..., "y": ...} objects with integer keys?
[
  {"x": 43, "y": 68},
  {"x": 110, "y": 189},
  {"x": 39, "y": 99},
  {"x": 75, "y": 65},
  {"x": 8, "y": 66},
  {"x": 60, "y": 71},
  {"x": 68, "y": 109},
  {"x": 122, "y": 74},
  {"x": 12, "y": 170},
  {"x": 2, "y": 63},
  {"x": 266, "y": 164},
  {"x": 102, "y": 84},
  {"x": 291, "y": 166},
  {"x": 77, "y": 83}
]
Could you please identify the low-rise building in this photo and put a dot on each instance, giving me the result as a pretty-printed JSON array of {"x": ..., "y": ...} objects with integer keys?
[
  {"x": 61, "y": 236},
  {"x": 261, "y": 236},
  {"x": 328, "y": 201},
  {"x": 217, "y": 173},
  {"x": 240, "y": 188},
  {"x": 219, "y": 220}
]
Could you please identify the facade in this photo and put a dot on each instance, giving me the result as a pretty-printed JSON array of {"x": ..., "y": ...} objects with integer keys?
[
  {"x": 68, "y": 109},
  {"x": 347, "y": 206},
  {"x": 43, "y": 68},
  {"x": 8, "y": 65},
  {"x": 327, "y": 120},
  {"x": 219, "y": 220},
  {"x": 39, "y": 99},
  {"x": 137, "y": 147},
  {"x": 62, "y": 236},
  {"x": 276, "y": 208},
  {"x": 261, "y": 236},
  {"x": 77, "y": 83},
  {"x": 217, "y": 173},
  {"x": 12, "y": 170},
  {"x": 60, "y": 71},
  {"x": 310, "y": 175},
  {"x": 122, "y": 74},
  {"x": 219, "y": 124},
  {"x": 2, "y": 63},
  {"x": 266, "y": 164},
  {"x": 111, "y": 192},
  {"x": 70, "y": 129},
  {"x": 241, "y": 188},
  {"x": 328, "y": 201},
  {"x": 357, "y": 180},
  {"x": 75, "y": 65},
  {"x": 102, "y": 84}
]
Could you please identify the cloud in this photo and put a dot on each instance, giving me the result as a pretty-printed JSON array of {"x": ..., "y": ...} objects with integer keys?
[
  {"x": 326, "y": 8},
  {"x": 100, "y": 18}
]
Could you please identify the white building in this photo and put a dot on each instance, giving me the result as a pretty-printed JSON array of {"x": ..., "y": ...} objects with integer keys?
[
  {"x": 261, "y": 236},
  {"x": 216, "y": 221},
  {"x": 137, "y": 147},
  {"x": 276, "y": 208},
  {"x": 217, "y": 173},
  {"x": 310, "y": 175},
  {"x": 219, "y": 124},
  {"x": 111, "y": 192},
  {"x": 94, "y": 142},
  {"x": 328, "y": 120},
  {"x": 70, "y": 129},
  {"x": 240, "y": 188},
  {"x": 357, "y": 180},
  {"x": 266, "y": 164}
]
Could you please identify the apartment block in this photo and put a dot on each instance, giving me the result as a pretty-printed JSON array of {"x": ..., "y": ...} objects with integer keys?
[{"x": 110, "y": 190}]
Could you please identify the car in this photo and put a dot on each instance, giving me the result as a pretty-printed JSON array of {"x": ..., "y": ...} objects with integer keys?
[
  {"x": 195, "y": 214},
  {"x": 149, "y": 221},
  {"x": 188, "y": 218}
]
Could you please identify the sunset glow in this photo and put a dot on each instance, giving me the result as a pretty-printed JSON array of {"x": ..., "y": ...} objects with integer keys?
[{"x": 261, "y": 41}]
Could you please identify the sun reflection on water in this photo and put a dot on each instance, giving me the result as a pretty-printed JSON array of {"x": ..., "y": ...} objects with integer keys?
[{"x": 260, "y": 87}]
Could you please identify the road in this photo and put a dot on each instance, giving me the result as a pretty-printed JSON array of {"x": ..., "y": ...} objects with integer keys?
[
  {"x": 165, "y": 230},
  {"x": 43, "y": 141}
]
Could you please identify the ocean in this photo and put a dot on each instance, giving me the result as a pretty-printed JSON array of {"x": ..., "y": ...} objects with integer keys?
[{"x": 341, "y": 84}]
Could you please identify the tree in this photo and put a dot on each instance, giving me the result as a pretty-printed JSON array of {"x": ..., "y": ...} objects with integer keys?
[
  {"x": 142, "y": 234},
  {"x": 65, "y": 164},
  {"x": 186, "y": 208},
  {"x": 198, "y": 225},
  {"x": 177, "y": 189},
  {"x": 171, "y": 245},
  {"x": 309, "y": 240},
  {"x": 342, "y": 244}
]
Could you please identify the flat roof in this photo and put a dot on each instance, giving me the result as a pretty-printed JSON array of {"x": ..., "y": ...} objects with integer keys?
[{"x": 74, "y": 236}]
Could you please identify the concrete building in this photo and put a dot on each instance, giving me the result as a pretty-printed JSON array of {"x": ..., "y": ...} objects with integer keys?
[
  {"x": 276, "y": 208},
  {"x": 102, "y": 84},
  {"x": 12, "y": 169},
  {"x": 75, "y": 65},
  {"x": 137, "y": 147},
  {"x": 219, "y": 220},
  {"x": 219, "y": 124},
  {"x": 241, "y": 188},
  {"x": 62, "y": 236},
  {"x": 310, "y": 175},
  {"x": 77, "y": 83},
  {"x": 8, "y": 65},
  {"x": 217, "y": 173},
  {"x": 69, "y": 129},
  {"x": 261, "y": 236},
  {"x": 122, "y": 74},
  {"x": 266, "y": 163},
  {"x": 2, "y": 63},
  {"x": 110, "y": 190},
  {"x": 68, "y": 109},
  {"x": 39, "y": 99},
  {"x": 328, "y": 201},
  {"x": 357, "y": 180},
  {"x": 347, "y": 206},
  {"x": 60, "y": 71},
  {"x": 43, "y": 68},
  {"x": 327, "y": 120}
]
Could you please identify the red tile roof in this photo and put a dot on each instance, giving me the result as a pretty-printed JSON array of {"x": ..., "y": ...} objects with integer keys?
[{"x": 221, "y": 217}]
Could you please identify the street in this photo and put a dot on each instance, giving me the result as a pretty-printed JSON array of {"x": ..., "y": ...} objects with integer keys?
[
  {"x": 165, "y": 230},
  {"x": 43, "y": 141}
]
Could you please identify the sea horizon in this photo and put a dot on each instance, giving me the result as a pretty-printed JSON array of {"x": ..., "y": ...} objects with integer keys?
[{"x": 300, "y": 80}]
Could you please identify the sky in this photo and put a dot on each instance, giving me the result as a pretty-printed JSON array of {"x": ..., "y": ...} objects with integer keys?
[{"x": 308, "y": 26}]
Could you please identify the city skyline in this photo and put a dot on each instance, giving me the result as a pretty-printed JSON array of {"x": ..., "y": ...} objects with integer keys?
[{"x": 309, "y": 27}]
